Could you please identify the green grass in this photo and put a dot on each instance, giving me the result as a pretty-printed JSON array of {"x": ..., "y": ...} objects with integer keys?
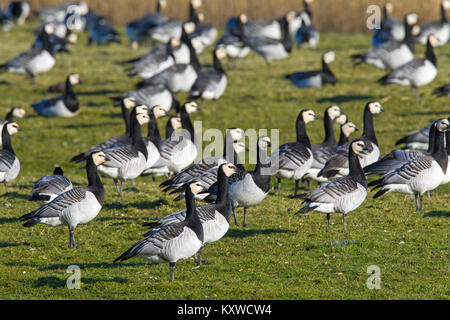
[{"x": 280, "y": 255}]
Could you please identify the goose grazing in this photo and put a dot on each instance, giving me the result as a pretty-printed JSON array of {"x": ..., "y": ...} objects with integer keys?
[
  {"x": 338, "y": 164},
  {"x": 33, "y": 61},
  {"x": 50, "y": 186},
  {"x": 420, "y": 175},
  {"x": 103, "y": 32},
  {"x": 9, "y": 163},
  {"x": 294, "y": 159},
  {"x": 13, "y": 113},
  {"x": 342, "y": 194},
  {"x": 174, "y": 241},
  {"x": 66, "y": 105},
  {"x": 18, "y": 11},
  {"x": 127, "y": 161},
  {"x": 441, "y": 29},
  {"x": 215, "y": 218},
  {"x": 443, "y": 91},
  {"x": 392, "y": 54},
  {"x": 75, "y": 206},
  {"x": 137, "y": 30},
  {"x": 210, "y": 84},
  {"x": 205, "y": 170},
  {"x": 391, "y": 28},
  {"x": 316, "y": 78},
  {"x": 270, "y": 49},
  {"x": 417, "y": 72},
  {"x": 126, "y": 104}
]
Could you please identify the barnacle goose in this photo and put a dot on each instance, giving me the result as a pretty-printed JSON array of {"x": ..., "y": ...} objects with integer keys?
[
  {"x": 294, "y": 159},
  {"x": 417, "y": 139},
  {"x": 6, "y": 22},
  {"x": 422, "y": 174},
  {"x": 342, "y": 194},
  {"x": 391, "y": 28},
  {"x": 127, "y": 161},
  {"x": 338, "y": 164},
  {"x": 9, "y": 163},
  {"x": 306, "y": 35},
  {"x": 50, "y": 186},
  {"x": 316, "y": 78},
  {"x": 441, "y": 29},
  {"x": 13, "y": 113},
  {"x": 233, "y": 45},
  {"x": 75, "y": 206},
  {"x": 270, "y": 49},
  {"x": 417, "y": 72},
  {"x": 103, "y": 32},
  {"x": 61, "y": 86},
  {"x": 152, "y": 96},
  {"x": 137, "y": 30},
  {"x": 58, "y": 44},
  {"x": 392, "y": 54},
  {"x": 347, "y": 128},
  {"x": 210, "y": 84},
  {"x": 203, "y": 36},
  {"x": 58, "y": 13},
  {"x": 215, "y": 218},
  {"x": 18, "y": 11},
  {"x": 66, "y": 105},
  {"x": 174, "y": 241},
  {"x": 443, "y": 91},
  {"x": 33, "y": 61},
  {"x": 180, "y": 150}
]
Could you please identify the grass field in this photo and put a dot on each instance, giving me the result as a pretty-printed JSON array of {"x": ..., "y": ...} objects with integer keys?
[{"x": 279, "y": 255}]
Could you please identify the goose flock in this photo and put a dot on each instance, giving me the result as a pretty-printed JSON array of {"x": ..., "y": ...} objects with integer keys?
[{"x": 342, "y": 168}]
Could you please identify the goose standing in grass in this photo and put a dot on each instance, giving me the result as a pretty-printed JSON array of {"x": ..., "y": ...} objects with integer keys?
[
  {"x": 33, "y": 61},
  {"x": 211, "y": 84},
  {"x": 127, "y": 161},
  {"x": 420, "y": 175},
  {"x": 443, "y": 91},
  {"x": 18, "y": 11},
  {"x": 391, "y": 29},
  {"x": 417, "y": 72},
  {"x": 152, "y": 96},
  {"x": 316, "y": 78},
  {"x": 441, "y": 29},
  {"x": 342, "y": 194},
  {"x": 174, "y": 241},
  {"x": 294, "y": 159},
  {"x": 338, "y": 164},
  {"x": 50, "y": 186},
  {"x": 215, "y": 218},
  {"x": 234, "y": 46},
  {"x": 75, "y": 206},
  {"x": 66, "y": 105},
  {"x": 9, "y": 163},
  {"x": 58, "y": 44},
  {"x": 13, "y": 113},
  {"x": 392, "y": 54},
  {"x": 203, "y": 36}
]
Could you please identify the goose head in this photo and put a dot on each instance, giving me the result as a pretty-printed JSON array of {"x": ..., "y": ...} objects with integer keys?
[
  {"x": 236, "y": 133},
  {"x": 412, "y": 18},
  {"x": 201, "y": 17},
  {"x": 290, "y": 16},
  {"x": 443, "y": 125},
  {"x": 341, "y": 119},
  {"x": 189, "y": 27},
  {"x": 18, "y": 112},
  {"x": 162, "y": 4},
  {"x": 141, "y": 109},
  {"x": 99, "y": 158},
  {"x": 220, "y": 53},
  {"x": 129, "y": 102},
  {"x": 334, "y": 112},
  {"x": 329, "y": 57},
  {"x": 239, "y": 147},
  {"x": 159, "y": 112},
  {"x": 348, "y": 128},
  {"x": 243, "y": 18},
  {"x": 191, "y": 107},
  {"x": 375, "y": 107},
  {"x": 433, "y": 40},
  {"x": 74, "y": 79},
  {"x": 309, "y": 115},
  {"x": 142, "y": 118},
  {"x": 264, "y": 142},
  {"x": 389, "y": 7},
  {"x": 446, "y": 4},
  {"x": 415, "y": 30},
  {"x": 358, "y": 146},
  {"x": 175, "y": 43},
  {"x": 196, "y": 187},
  {"x": 175, "y": 122},
  {"x": 196, "y": 3},
  {"x": 12, "y": 128},
  {"x": 49, "y": 28},
  {"x": 228, "y": 169}
]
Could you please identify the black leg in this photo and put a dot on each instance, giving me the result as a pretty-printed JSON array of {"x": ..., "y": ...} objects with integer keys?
[
  {"x": 245, "y": 217},
  {"x": 279, "y": 186},
  {"x": 296, "y": 188},
  {"x": 198, "y": 259},
  {"x": 344, "y": 218},
  {"x": 421, "y": 202},
  {"x": 172, "y": 271},
  {"x": 6, "y": 188},
  {"x": 328, "y": 222},
  {"x": 72, "y": 243},
  {"x": 236, "y": 223},
  {"x": 417, "y": 201}
]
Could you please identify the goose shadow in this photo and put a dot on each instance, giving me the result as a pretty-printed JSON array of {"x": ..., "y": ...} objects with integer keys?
[
  {"x": 243, "y": 233},
  {"x": 16, "y": 195},
  {"x": 97, "y": 93},
  {"x": 341, "y": 98},
  {"x": 427, "y": 113},
  {"x": 148, "y": 204},
  {"x": 438, "y": 214},
  {"x": 55, "y": 282},
  {"x": 8, "y": 220},
  {"x": 88, "y": 125},
  {"x": 10, "y": 244},
  {"x": 95, "y": 265}
]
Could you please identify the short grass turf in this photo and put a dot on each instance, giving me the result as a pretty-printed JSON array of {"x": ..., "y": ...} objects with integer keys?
[{"x": 279, "y": 255}]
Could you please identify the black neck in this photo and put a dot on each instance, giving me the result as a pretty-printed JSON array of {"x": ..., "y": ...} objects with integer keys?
[
  {"x": 126, "y": 118},
  {"x": 193, "y": 55},
  {"x": 6, "y": 139},
  {"x": 217, "y": 64},
  {"x": 286, "y": 36},
  {"x": 342, "y": 138},
  {"x": 192, "y": 220},
  {"x": 136, "y": 135},
  {"x": 432, "y": 138},
  {"x": 429, "y": 55},
  {"x": 261, "y": 179},
  {"x": 369, "y": 131},
  {"x": 153, "y": 131},
  {"x": 409, "y": 39},
  {"x": 302, "y": 136},
  {"x": 223, "y": 204},
  {"x": 307, "y": 9},
  {"x": 58, "y": 171},
  {"x": 355, "y": 169},
  {"x": 169, "y": 49},
  {"x": 440, "y": 153},
  {"x": 329, "y": 132},
  {"x": 46, "y": 44},
  {"x": 385, "y": 13},
  {"x": 326, "y": 68},
  {"x": 447, "y": 142},
  {"x": 169, "y": 128},
  {"x": 158, "y": 6},
  {"x": 193, "y": 16},
  {"x": 10, "y": 116},
  {"x": 443, "y": 15},
  {"x": 186, "y": 123},
  {"x": 94, "y": 182}
]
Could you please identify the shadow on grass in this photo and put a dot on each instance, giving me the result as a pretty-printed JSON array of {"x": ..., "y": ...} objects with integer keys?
[
  {"x": 243, "y": 233},
  {"x": 96, "y": 265},
  {"x": 97, "y": 93},
  {"x": 8, "y": 220},
  {"x": 148, "y": 204},
  {"x": 54, "y": 282},
  {"x": 344, "y": 98},
  {"x": 88, "y": 125},
  {"x": 10, "y": 244},
  {"x": 16, "y": 195},
  {"x": 438, "y": 214},
  {"x": 425, "y": 113}
]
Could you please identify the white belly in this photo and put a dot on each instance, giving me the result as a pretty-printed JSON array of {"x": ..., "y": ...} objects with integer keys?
[
  {"x": 83, "y": 211},
  {"x": 246, "y": 193},
  {"x": 215, "y": 229},
  {"x": 43, "y": 62},
  {"x": 184, "y": 246}
]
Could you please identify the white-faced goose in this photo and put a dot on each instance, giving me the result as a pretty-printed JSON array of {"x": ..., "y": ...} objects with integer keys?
[
  {"x": 61, "y": 86},
  {"x": 66, "y": 105},
  {"x": 315, "y": 78},
  {"x": 392, "y": 54},
  {"x": 342, "y": 194},
  {"x": 13, "y": 113},
  {"x": 211, "y": 84},
  {"x": 294, "y": 159},
  {"x": 233, "y": 45},
  {"x": 338, "y": 164},
  {"x": 127, "y": 161},
  {"x": 50, "y": 186},
  {"x": 307, "y": 35},
  {"x": 18, "y": 11},
  {"x": 204, "y": 34},
  {"x": 215, "y": 218},
  {"x": 9, "y": 163},
  {"x": 33, "y": 61},
  {"x": 420, "y": 175},
  {"x": 390, "y": 28},
  {"x": 441, "y": 29},
  {"x": 152, "y": 96},
  {"x": 174, "y": 241},
  {"x": 58, "y": 44},
  {"x": 76, "y": 206},
  {"x": 416, "y": 73}
]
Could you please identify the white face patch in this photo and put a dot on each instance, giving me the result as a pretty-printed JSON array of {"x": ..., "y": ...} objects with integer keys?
[
  {"x": 159, "y": 112},
  {"x": 201, "y": 17},
  {"x": 433, "y": 40},
  {"x": 334, "y": 112},
  {"x": 389, "y": 7},
  {"x": 74, "y": 79},
  {"x": 19, "y": 113},
  {"x": 196, "y": 188},
  {"x": 189, "y": 27},
  {"x": 375, "y": 107},
  {"x": 291, "y": 15},
  {"x": 73, "y": 38},
  {"x": 341, "y": 119},
  {"x": 329, "y": 57},
  {"x": 309, "y": 116},
  {"x": 243, "y": 18},
  {"x": 12, "y": 128},
  {"x": 174, "y": 42},
  {"x": 446, "y": 4},
  {"x": 263, "y": 142},
  {"x": 141, "y": 109},
  {"x": 415, "y": 30},
  {"x": 49, "y": 28},
  {"x": 358, "y": 146},
  {"x": 412, "y": 18},
  {"x": 142, "y": 118},
  {"x": 196, "y": 3},
  {"x": 99, "y": 158},
  {"x": 237, "y": 134},
  {"x": 176, "y": 123},
  {"x": 129, "y": 102},
  {"x": 239, "y": 147},
  {"x": 229, "y": 169},
  {"x": 348, "y": 128},
  {"x": 163, "y": 3},
  {"x": 442, "y": 125},
  {"x": 191, "y": 107},
  {"x": 221, "y": 53}
]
